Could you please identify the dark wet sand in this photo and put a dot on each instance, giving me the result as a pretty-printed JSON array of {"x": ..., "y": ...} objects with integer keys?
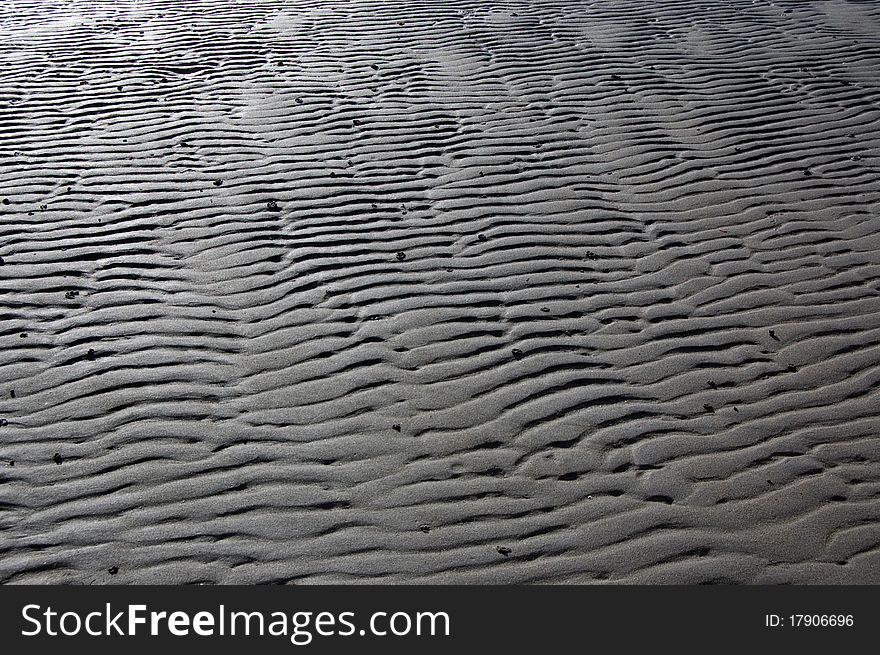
[{"x": 459, "y": 291}]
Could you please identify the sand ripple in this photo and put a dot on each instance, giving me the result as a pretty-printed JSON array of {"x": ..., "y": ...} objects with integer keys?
[{"x": 458, "y": 291}]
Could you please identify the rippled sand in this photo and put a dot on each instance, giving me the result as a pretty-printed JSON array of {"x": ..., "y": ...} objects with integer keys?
[{"x": 466, "y": 291}]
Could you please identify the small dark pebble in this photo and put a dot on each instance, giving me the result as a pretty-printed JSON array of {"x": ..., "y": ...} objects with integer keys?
[
  {"x": 70, "y": 295},
  {"x": 807, "y": 173},
  {"x": 425, "y": 528},
  {"x": 5, "y": 201},
  {"x": 374, "y": 67},
  {"x": 218, "y": 182},
  {"x": 712, "y": 384},
  {"x": 792, "y": 369},
  {"x": 3, "y": 422},
  {"x": 709, "y": 408},
  {"x": 272, "y": 205},
  {"x": 481, "y": 237},
  {"x": 545, "y": 309},
  {"x": 23, "y": 335},
  {"x": 12, "y": 393},
  {"x": 591, "y": 256},
  {"x": 11, "y": 462},
  {"x": 91, "y": 355},
  {"x": 517, "y": 353},
  {"x": 2, "y": 261},
  {"x": 504, "y": 550},
  {"x": 57, "y": 458},
  {"x": 113, "y": 570},
  {"x": 401, "y": 256},
  {"x": 396, "y": 427},
  {"x": 736, "y": 410},
  {"x": 772, "y": 334}
]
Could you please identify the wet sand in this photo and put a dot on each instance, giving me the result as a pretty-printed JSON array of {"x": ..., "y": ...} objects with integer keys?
[{"x": 466, "y": 291}]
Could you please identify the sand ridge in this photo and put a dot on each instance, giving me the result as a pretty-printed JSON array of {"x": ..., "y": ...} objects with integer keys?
[{"x": 465, "y": 291}]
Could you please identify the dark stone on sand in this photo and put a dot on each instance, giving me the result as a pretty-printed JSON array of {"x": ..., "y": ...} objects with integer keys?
[
  {"x": 218, "y": 182},
  {"x": 396, "y": 427},
  {"x": 517, "y": 353},
  {"x": 504, "y": 550},
  {"x": 113, "y": 570},
  {"x": 425, "y": 528},
  {"x": 57, "y": 458},
  {"x": 401, "y": 256},
  {"x": 709, "y": 408},
  {"x": 5, "y": 201},
  {"x": 772, "y": 334},
  {"x": 3, "y": 422},
  {"x": 272, "y": 206}
]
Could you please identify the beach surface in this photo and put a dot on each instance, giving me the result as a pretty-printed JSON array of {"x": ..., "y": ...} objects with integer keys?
[{"x": 439, "y": 292}]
